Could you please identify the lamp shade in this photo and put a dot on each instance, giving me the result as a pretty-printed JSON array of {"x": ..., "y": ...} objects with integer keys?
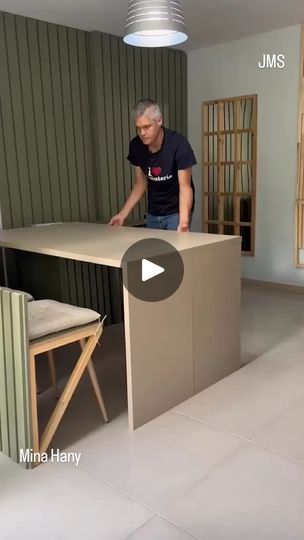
[{"x": 155, "y": 23}]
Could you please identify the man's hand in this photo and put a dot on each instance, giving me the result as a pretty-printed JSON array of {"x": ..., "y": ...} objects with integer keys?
[
  {"x": 137, "y": 192},
  {"x": 183, "y": 227},
  {"x": 118, "y": 219}
]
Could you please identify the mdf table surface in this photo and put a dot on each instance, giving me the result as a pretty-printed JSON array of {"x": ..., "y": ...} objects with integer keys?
[{"x": 96, "y": 243}]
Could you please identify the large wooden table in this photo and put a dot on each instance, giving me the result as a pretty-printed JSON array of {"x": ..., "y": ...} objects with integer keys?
[{"x": 176, "y": 347}]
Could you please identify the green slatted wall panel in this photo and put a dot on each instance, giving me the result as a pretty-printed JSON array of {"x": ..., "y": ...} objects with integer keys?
[
  {"x": 45, "y": 134},
  {"x": 65, "y": 127},
  {"x": 14, "y": 387}
]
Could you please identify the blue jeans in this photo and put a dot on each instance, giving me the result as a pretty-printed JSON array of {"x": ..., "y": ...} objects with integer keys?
[{"x": 169, "y": 222}]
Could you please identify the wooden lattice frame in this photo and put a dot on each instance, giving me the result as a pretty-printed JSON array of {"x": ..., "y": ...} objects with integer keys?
[
  {"x": 299, "y": 211},
  {"x": 217, "y": 198}
]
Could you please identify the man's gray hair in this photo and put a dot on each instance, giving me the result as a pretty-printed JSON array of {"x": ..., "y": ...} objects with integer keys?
[{"x": 140, "y": 108}]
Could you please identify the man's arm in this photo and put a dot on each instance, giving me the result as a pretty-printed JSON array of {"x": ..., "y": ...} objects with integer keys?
[
  {"x": 136, "y": 194},
  {"x": 185, "y": 199}
]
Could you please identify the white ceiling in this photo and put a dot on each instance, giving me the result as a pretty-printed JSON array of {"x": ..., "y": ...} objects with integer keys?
[{"x": 208, "y": 21}]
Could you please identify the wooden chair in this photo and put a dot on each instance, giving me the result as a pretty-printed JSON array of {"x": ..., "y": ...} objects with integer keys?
[{"x": 52, "y": 325}]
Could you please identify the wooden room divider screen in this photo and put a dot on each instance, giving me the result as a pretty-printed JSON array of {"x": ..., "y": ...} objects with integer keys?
[{"x": 229, "y": 150}]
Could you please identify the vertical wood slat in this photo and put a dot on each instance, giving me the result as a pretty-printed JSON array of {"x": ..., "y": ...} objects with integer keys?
[
  {"x": 98, "y": 120},
  {"x": 9, "y": 148},
  {"x": 34, "y": 31},
  {"x": 131, "y": 99},
  {"x": 158, "y": 74},
  {"x": 20, "y": 348},
  {"x": 14, "y": 396},
  {"x": 299, "y": 218},
  {"x": 64, "y": 280},
  {"x": 140, "y": 79},
  {"x": 153, "y": 82},
  {"x": 86, "y": 286},
  {"x": 301, "y": 160},
  {"x": 254, "y": 175},
  {"x": 51, "y": 164},
  {"x": 80, "y": 184},
  {"x": 79, "y": 283},
  {"x": 184, "y": 96},
  {"x": 178, "y": 92},
  {"x": 165, "y": 81},
  {"x": 29, "y": 120},
  {"x": 5, "y": 205},
  {"x": 87, "y": 130},
  {"x": 117, "y": 122},
  {"x": 206, "y": 178},
  {"x": 109, "y": 126},
  {"x": 93, "y": 288},
  {"x": 64, "y": 46},
  {"x": 237, "y": 167},
  {"x": 172, "y": 86},
  {"x": 61, "y": 154},
  {"x": 18, "y": 117},
  {"x": 124, "y": 77},
  {"x": 4, "y": 418},
  {"x": 220, "y": 169},
  {"x": 145, "y": 72},
  {"x": 10, "y": 375}
]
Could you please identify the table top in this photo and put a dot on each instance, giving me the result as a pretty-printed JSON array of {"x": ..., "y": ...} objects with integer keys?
[{"x": 96, "y": 243}]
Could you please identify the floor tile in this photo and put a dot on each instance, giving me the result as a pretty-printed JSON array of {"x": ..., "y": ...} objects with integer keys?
[
  {"x": 247, "y": 400},
  {"x": 286, "y": 433},
  {"x": 156, "y": 462},
  {"x": 61, "y": 501},
  {"x": 255, "y": 495}
]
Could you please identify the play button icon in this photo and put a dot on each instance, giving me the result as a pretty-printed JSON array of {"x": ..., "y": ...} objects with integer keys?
[
  {"x": 152, "y": 270},
  {"x": 149, "y": 270}
]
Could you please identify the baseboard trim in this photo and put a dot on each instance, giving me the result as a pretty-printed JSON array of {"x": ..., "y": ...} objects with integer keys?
[{"x": 284, "y": 287}]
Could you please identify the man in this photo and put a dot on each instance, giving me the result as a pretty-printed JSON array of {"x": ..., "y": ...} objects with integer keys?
[{"x": 163, "y": 162}]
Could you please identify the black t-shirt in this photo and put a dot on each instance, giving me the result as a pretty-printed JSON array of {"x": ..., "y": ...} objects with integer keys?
[{"x": 161, "y": 169}]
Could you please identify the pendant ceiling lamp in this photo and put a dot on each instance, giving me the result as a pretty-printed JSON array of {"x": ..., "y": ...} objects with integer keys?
[{"x": 155, "y": 23}]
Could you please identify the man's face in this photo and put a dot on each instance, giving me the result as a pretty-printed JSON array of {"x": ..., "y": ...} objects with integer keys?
[{"x": 147, "y": 129}]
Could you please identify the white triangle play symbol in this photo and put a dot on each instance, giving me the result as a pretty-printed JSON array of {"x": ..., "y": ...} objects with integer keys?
[{"x": 150, "y": 270}]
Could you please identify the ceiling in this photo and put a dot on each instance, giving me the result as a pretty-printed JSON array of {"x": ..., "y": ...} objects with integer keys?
[{"x": 208, "y": 21}]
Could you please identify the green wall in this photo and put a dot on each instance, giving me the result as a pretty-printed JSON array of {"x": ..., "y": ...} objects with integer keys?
[
  {"x": 65, "y": 126},
  {"x": 46, "y": 159}
]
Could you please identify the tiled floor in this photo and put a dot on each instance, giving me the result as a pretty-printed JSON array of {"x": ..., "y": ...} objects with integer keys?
[{"x": 228, "y": 464}]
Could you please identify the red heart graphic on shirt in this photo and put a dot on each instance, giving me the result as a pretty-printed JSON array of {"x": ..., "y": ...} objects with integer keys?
[{"x": 156, "y": 171}]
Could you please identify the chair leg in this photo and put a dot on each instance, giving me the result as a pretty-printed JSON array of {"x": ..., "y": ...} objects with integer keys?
[
  {"x": 95, "y": 384},
  {"x": 69, "y": 390},
  {"x": 33, "y": 398},
  {"x": 53, "y": 372}
]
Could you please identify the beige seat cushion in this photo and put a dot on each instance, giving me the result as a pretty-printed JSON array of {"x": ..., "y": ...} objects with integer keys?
[{"x": 48, "y": 316}]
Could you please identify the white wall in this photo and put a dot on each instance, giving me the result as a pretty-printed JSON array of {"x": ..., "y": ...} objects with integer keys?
[{"x": 230, "y": 70}]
